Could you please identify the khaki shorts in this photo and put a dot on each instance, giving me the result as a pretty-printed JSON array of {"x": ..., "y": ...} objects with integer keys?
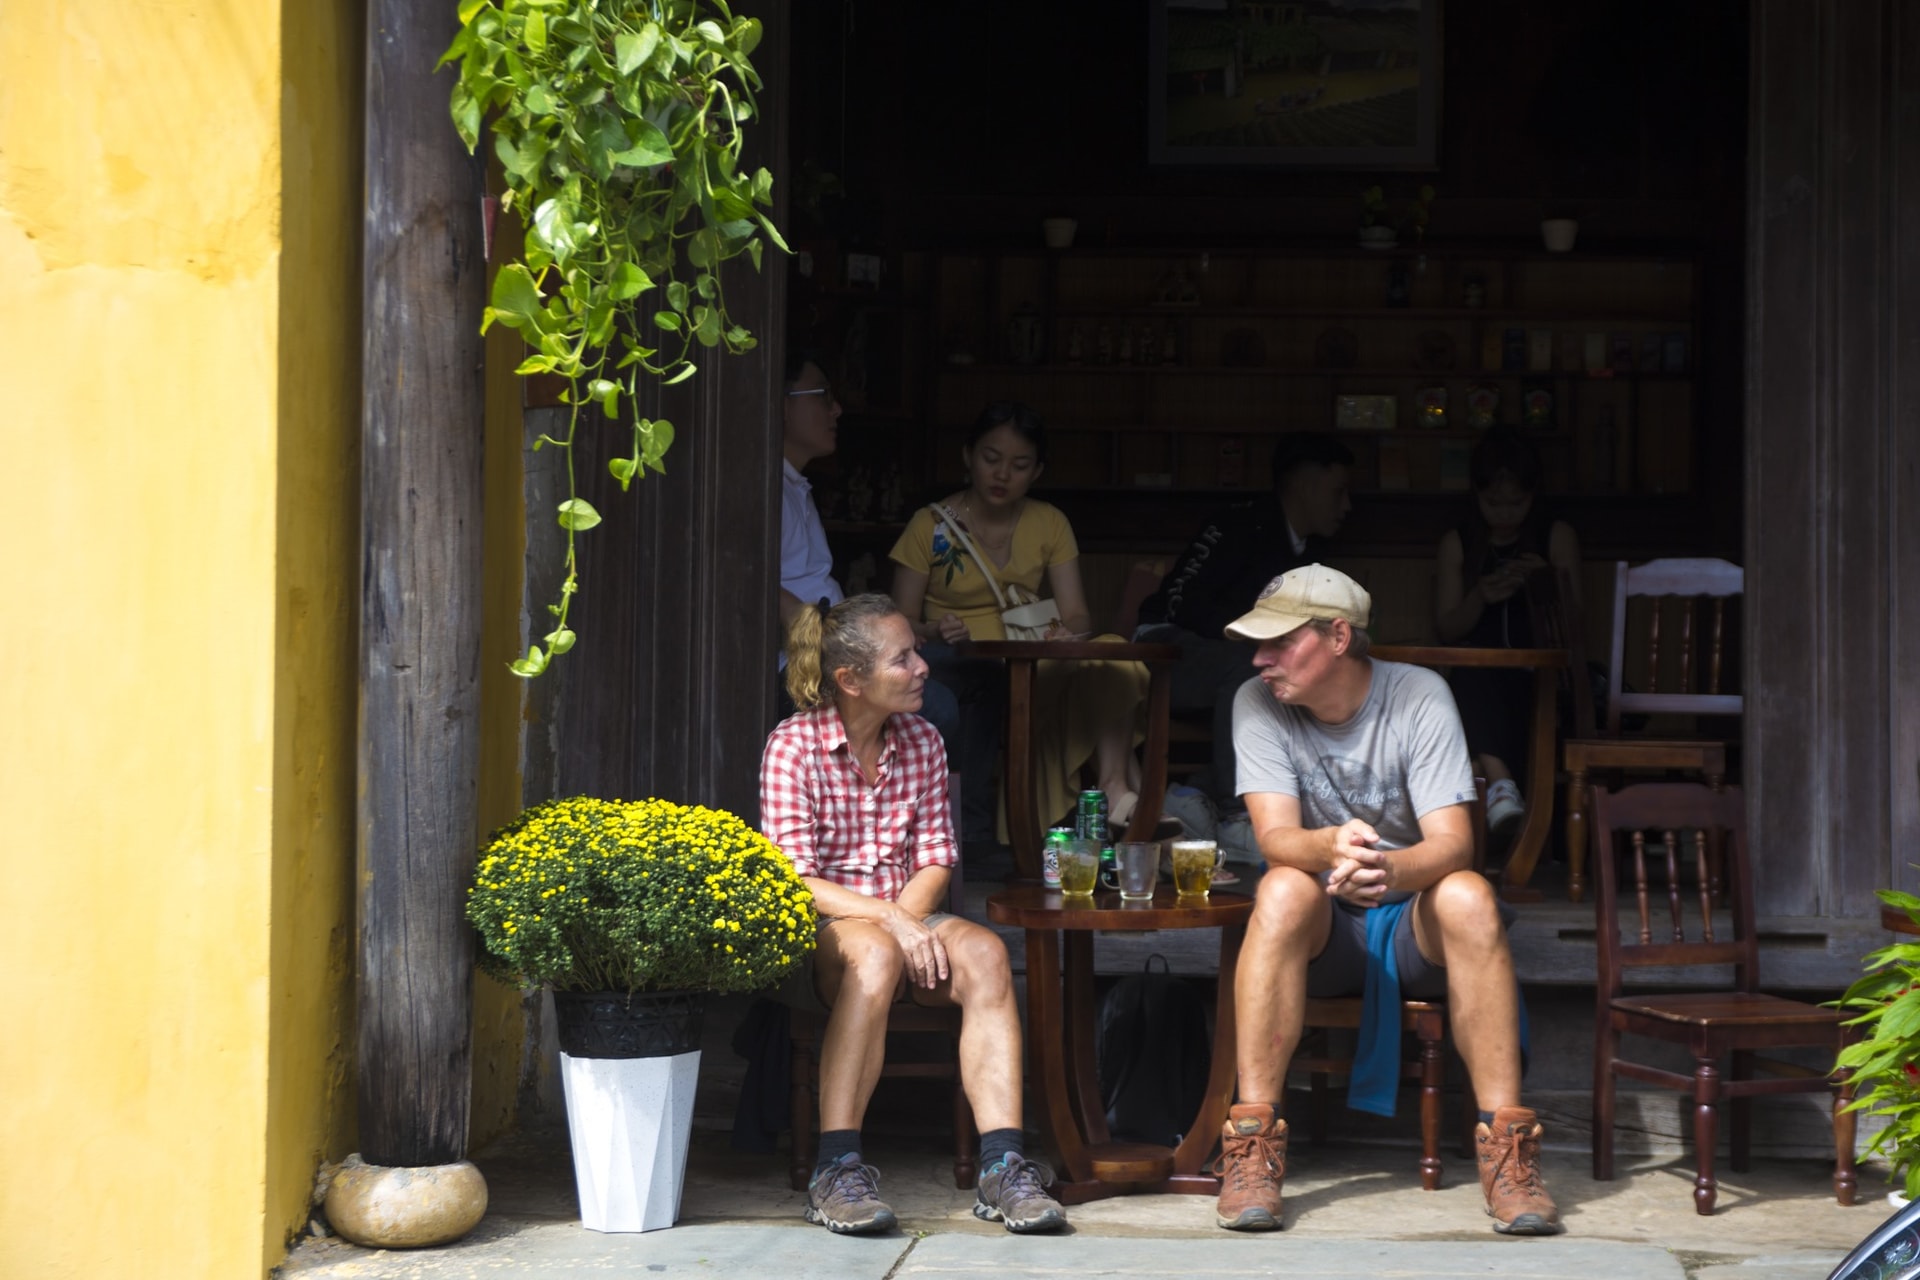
[{"x": 799, "y": 991}]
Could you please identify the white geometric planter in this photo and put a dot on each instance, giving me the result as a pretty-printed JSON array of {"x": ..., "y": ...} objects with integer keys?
[
  {"x": 629, "y": 1120},
  {"x": 628, "y": 1067}
]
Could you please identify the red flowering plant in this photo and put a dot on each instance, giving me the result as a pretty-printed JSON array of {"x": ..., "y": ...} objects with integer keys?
[{"x": 1885, "y": 1058}]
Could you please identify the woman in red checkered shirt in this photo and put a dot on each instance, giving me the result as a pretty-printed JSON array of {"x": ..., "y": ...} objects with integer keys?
[{"x": 853, "y": 789}]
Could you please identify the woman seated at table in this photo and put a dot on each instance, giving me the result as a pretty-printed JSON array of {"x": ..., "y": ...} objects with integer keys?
[
  {"x": 853, "y": 789},
  {"x": 1084, "y": 710},
  {"x": 1490, "y": 569}
]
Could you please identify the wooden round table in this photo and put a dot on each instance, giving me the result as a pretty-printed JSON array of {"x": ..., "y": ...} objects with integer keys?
[
  {"x": 1060, "y": 1015},
  {"x": 1024, "y": 823}
]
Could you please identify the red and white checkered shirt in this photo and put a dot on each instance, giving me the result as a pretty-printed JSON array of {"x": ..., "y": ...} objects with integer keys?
[{"x": 818, "y": 809}]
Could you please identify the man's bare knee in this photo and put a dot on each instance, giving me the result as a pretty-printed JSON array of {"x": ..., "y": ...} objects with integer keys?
[
  {"x": 1466, "y": 901},
  {"x": 1285, "y": 896}
]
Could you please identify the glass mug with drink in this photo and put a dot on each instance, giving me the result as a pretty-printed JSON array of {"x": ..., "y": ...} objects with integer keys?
[
  {"x": 1079, "y": 867},
  {"x": 1139, "y": 866},
  {"x": 1193, "y": 864}
]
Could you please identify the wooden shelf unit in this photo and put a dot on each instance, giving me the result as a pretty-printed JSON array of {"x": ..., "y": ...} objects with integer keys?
[{"x": 1272, "y": 336}]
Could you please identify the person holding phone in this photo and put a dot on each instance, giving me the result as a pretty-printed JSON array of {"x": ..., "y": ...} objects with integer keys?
[
  {"x": 1088, "y": 711},
  {"x": 1491, "y": 570}
]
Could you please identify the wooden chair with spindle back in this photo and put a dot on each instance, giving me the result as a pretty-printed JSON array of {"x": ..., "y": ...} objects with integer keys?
[
  {"x": 1713, "y": 1025},
  {"x": 1686, "y": 674}
]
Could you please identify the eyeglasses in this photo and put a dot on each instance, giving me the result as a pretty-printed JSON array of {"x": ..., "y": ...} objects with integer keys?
[{"x": 826, "y": 391}]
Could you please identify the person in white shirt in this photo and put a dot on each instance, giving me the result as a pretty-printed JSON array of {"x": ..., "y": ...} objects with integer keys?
[{"x": 810, "y": 421}]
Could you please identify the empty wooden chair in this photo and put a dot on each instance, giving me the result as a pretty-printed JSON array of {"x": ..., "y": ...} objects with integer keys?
[
  {"x": 1688, "y": 673},
  {"x": 1727, "y": 1025}
]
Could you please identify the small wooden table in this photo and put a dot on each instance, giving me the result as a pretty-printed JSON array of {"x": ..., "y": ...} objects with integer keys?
[
  {"x": 1546, "y": 664},
  {"x": 1060, "y": 1063},
  {"x": 1024, "y": 825}
]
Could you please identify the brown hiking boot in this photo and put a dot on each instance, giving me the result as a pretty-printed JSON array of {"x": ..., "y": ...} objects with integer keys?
[
  {"x": 1509, "y": 1154},
  {"x": 1253, "y": 1161}
]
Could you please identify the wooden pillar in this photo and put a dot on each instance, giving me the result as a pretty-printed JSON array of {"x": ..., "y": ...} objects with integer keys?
[
  {"x": 421, "y": 411},
  {"x": 1833, "y": 440},
  {"x": 670, "y": 691}
]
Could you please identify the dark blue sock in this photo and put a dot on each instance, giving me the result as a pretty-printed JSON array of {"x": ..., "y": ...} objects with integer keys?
[
  {"x": 835, "y": 1143},
  {"x": 995, "y": 1143}
]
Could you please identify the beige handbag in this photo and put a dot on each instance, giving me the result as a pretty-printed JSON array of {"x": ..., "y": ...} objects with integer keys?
[{"x": 1024, "y": 615}]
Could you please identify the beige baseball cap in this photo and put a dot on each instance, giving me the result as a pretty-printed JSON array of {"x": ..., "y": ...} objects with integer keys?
[{"x": 1311, "y": 593}]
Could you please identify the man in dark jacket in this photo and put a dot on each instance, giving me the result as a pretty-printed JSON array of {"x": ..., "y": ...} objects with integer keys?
[{"x": 1218, "y": 577}]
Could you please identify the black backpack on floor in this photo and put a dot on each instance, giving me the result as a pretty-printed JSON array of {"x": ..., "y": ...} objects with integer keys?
[{"x": 1154, "y": 1053}]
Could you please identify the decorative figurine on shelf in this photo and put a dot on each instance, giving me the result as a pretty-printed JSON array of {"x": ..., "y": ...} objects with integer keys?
[
  {"x": 1126, "y": 345},
  {"x": 859, "y": 494},
  {"x": 1076, "y": 345},
  {"x": 1433, "y": 406},
  {"x": 1103, "y": 345},
  {"x": 893, "y": 494},
  {"x": 1024, "y": 341},
  {"x": 1382, "y": 225},
  {"x": 1143, "y": 350},
  {"x": 1536, "y": 406},
  {"x": 1473, "y": 290},
  {"x": 1483, "y": 405}
]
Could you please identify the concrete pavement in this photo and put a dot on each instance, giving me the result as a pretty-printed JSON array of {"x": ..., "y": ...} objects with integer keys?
[{"x": 1353, "y": 1209}]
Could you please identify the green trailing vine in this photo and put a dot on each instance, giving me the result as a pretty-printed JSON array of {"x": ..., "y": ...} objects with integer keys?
[{"x": 618, "y": 125}]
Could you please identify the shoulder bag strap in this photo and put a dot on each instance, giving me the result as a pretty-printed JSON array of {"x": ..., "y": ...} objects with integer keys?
[{"x": 958, "y": 533}]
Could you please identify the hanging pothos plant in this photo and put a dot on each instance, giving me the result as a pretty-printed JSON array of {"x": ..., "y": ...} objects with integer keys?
[{"x": 618, "y": 124}]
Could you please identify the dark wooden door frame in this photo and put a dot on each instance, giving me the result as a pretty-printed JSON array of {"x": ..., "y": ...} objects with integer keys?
[
  {"x": 1833, "y": 453},
  {"x": 424, "y": 284}
]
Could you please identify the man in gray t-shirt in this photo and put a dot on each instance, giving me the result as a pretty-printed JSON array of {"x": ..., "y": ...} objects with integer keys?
[{"x": 1357, "y": 782}]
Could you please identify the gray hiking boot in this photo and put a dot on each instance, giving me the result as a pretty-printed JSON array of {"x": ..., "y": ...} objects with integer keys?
[
  {"x": 1014, "y": 1191},
  {"x": 845, "y": 1197}
]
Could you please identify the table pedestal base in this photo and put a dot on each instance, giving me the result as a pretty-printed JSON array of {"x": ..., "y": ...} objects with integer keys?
[{"x": 1177, "y": 1184}]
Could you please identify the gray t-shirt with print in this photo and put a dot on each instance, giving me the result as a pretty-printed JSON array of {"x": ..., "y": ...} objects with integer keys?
[{"x": 1401, "y": 755}]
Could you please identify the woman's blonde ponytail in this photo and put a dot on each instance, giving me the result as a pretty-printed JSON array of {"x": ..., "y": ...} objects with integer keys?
[
  {"x": 823, "y": 641},
  {"x": 804, "y": 635}
]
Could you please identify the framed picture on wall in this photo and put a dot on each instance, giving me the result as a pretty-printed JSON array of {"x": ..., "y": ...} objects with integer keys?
[{"x": 1321, "y": 84}]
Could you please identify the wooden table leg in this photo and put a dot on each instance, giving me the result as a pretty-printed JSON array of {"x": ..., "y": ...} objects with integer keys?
[
  {"x": 1046, "y": 1056},
  {"x": 1199, "y": 1142},
  {"x": 1023, "y": 828},
  {"x": 1576, "y": 829},
  {"x": 1083, "y": 1070},
  {"x": 1533, "y": 835}
]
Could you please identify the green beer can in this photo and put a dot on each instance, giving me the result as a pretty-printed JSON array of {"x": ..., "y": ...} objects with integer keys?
[{"x": 1090, "y": 816}]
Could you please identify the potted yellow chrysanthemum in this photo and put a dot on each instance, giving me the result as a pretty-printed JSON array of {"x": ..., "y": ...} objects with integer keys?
[{"x": 630, "y": 911}]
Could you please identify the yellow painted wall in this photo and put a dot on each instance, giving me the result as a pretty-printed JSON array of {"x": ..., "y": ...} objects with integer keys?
[
  {"x": 310, "y": 1048},
  {"x": 499, "y": 1019},
  {"x": 177, "y": 761}
]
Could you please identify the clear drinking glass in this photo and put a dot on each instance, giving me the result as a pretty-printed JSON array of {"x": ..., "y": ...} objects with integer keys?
[
  {"x": 1139, "y": 863},
  {"x": 1079, "y": 867},
  {"x": 1193, "y": 864}
]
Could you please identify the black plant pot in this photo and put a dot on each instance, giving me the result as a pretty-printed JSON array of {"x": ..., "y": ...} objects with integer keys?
[{"x": 614, "y": 1024}]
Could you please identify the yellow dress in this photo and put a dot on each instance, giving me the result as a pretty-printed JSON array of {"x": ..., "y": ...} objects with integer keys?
[{"x": 1075, "y": 703}]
